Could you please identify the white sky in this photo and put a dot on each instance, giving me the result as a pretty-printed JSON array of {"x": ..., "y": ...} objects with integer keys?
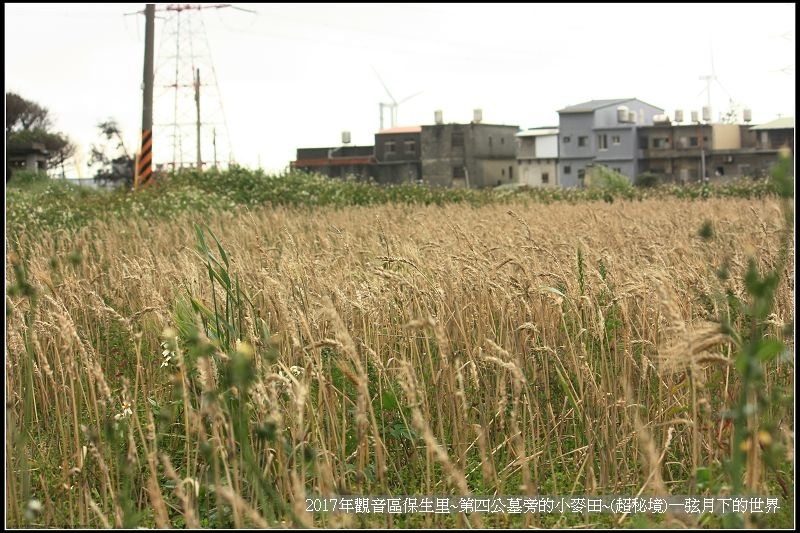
[{"x": 297, "y": 75}]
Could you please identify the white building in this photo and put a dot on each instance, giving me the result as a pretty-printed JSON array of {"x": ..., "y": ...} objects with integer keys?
[{"x": 537, "y": 157}]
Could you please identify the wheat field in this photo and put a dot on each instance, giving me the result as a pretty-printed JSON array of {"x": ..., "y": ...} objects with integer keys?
[{"x": 521, "y": 349}]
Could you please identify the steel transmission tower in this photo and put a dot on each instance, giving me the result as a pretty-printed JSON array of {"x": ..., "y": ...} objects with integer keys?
[{"x": 186, "y": 86}]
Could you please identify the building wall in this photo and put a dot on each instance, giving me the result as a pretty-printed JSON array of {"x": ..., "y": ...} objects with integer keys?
[
  {"x": 492, "y": 141},
  {"x": 494, "y": 172},
  {"x": 530, "y": 172},
  {"x": 444, "y": 164},
  {"x": 396, "y": 173},
  {"x": 775, "y": 139},
  {"x": 402, "y": 152},
  {"x": 571, "y": 127},
  {"x": 624, "y": 150},
  {"x": 547, "y": 146},
  {"x": 725, "y": 137},
  {"x": 526, "y": 147},
  {"x": 570, "y": 170}
]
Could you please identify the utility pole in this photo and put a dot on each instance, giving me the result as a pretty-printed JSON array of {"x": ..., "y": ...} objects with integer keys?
[
  {"x": 197, "y": 103},
  {"x": 143, "y": 173},
  {"x": 214, "y": 137}
]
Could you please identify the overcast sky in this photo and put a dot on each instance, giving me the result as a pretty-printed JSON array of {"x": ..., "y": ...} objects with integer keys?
[{"x": 297, "y": 75}]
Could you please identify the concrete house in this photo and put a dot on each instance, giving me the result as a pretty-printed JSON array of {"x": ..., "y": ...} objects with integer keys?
[
  {"x": 537, "y": 157},
  {"x": 468, "y": 155},
  {"x": 398, "y": 155},
  {"x": 776, "y": 134},
  {"x": 678, "y": 152},
  {"x": 338, "y": 162},
  {"x": 28, "y": 156},
  {"x": 601, "y": 132}
]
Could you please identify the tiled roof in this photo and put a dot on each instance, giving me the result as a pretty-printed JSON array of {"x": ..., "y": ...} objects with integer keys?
[
  {"x": 782, "y": 123},
  {"x": 402, "y": 129},
  {"x": 592, "y": 105}
]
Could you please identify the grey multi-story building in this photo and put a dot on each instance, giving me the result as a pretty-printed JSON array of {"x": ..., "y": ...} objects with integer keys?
[
  {"x": 468, "y": 155},
  {"x": 601, "y": 132},
  {"x": 397, "y": 155}
]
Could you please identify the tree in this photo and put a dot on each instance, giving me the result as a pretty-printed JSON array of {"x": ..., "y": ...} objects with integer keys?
[
  {"x": 28, "y": 122},
  {"x": 22, "y": 114},
  {"x": 112, "y": 167}
]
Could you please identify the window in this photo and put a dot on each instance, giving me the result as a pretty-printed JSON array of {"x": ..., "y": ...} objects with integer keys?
[
  {"x": 545, "y": 177},
  {"x": 567, "y": 169},
  {"x": 581, "y": 175},
  {"x": 502, "y": 172},
  {"x": 582, "y": 141},
  {"x": 510, "y": 173},
  {"x": 458, "y": 172},
  {"x": 390, "y": 147},
  {"x": 411, "y": 147},
  {"x": 457, "y": 139},
  {"x": 692, "y": 141},
  {"x": 660, "y": 142},
  {"x": 642, "y": 143},
  {"x": 567, "y": 139},
  {"x": 617, "y": 170},
  {"x": 490, "y": 142},
  {"x": 602, "y": 142},
  {"x": 502, "y": 140},
  {"x": 615, "y": 140}
]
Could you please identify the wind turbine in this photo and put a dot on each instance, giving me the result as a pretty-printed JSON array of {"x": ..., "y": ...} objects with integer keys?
[
  {"x": 709, "y": 78},
  {"x": 392, "y": 107}
]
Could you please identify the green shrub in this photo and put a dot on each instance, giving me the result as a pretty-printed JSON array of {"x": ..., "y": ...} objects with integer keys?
[
  {"x": 601, "y": 177},
  {"x": 23, "y": 177},
  {"x": 648, "y": 180}
]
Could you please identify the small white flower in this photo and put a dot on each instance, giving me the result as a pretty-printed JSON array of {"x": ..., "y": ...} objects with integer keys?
[
  {"x": 167, "y": 354},
  {"x": 126, "y": 411},
  {"x": 33, "y": 509},
  {"x": 297, "y": 371}
]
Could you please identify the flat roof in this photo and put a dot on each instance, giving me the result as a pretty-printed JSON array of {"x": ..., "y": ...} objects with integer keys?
[{"x": 538, "y": 132}]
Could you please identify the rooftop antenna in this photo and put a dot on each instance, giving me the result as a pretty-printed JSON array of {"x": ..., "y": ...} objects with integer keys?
[{"x": 392, "y": 107}]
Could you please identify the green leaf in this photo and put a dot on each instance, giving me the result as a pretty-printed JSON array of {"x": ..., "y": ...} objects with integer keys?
[
  {"x": 219, "y": 246},
  {"x": 389, "y": 401},
  {"x": 768, "y": 349},
  {"x": 703, "y": 478}
]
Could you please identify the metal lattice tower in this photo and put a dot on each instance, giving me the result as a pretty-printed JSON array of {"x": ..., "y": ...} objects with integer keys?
[{"x": 183, "y": 53}]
